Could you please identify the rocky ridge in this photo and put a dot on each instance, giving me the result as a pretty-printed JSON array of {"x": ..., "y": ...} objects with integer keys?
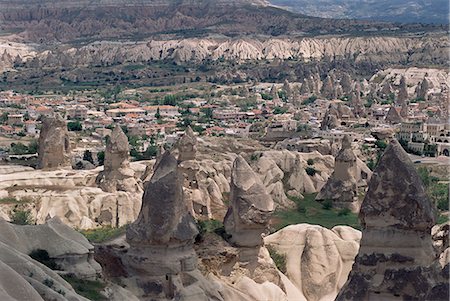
[{"x": 381, "y": 49}]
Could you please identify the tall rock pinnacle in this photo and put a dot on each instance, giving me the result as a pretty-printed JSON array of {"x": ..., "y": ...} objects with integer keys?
[
  {"x": 342, "y": 186},
  {"x": 187, "y": 146},
  {"x": 117, "y": 174},
  {"x": 396, "y": 259},
  {"x": 164, "y": 216},
  {"x": 54, "y": 144},
  {"x": 251, "y": 206}
]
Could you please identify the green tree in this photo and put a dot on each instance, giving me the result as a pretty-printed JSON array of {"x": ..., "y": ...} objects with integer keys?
[
  {"x": 157, "y": 114},
  {"x": 208, "y": 112},
  {"x": 33, "y": 147},
  {"x": 74, "y": 126},
  {"x": 18, "y": 149},
  {"x": 101, "y": 158},
  {"x": 4, "y": 117},
  {"x": 150, "y": 152},
  {"x": 279, "y": 110}
]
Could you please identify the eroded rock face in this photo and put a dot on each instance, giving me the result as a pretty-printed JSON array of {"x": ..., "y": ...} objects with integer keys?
[
  {"x": 70, "y": 195},
  {"x": 396, "y": 259},
  {"x": 342, "y": 186},
  {"x": 187, "y": 146},
  {"x": 160, "y": 262},
  {"x": 318, "y": 260},
  {"x": 117, "y": 174},
  {"x": 251, "y": 206},
  {"x": 54, "y": 144},
  {"x": 22, "y": 278},
  {"x": 164, "y": 216},
  {"x": 70, "y": 250},
  {"x": 333, "y": 115}
]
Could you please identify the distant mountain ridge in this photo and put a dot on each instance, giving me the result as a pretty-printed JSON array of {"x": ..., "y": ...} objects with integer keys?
[
  {"x": 409, "y": 11},
  {"x": 96, "y": 3},
  {"x": 48, "y": 21}
]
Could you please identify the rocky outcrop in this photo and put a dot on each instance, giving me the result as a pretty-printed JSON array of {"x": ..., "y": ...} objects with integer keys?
[
  {"x": 333, "y": 115},
  {"x": 54, "y": 144},
  {"x": 206, "y": 183},
  {"x": 396, "y": 257},
  {"x": 342, "y": 186},
  {"x": 422, "y": 89},
  {"x": 284, "y": 175},
  {"x": 23, "y": 278},
  {"x": 250, "y": 208},
  {"x": 117, "y": 174},
  {"x": 71, "y": 195},
  {"x": 69, "y": 250},
  {"x": 318, "y": 260},
  {"x": 187, "y": 146},
  {"x": 436, "y": 79}
]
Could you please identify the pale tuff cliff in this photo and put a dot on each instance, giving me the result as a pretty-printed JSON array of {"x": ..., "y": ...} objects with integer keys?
[{"x": 360, "y": 49}]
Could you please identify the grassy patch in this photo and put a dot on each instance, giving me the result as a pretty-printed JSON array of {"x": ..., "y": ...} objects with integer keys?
[
  {"x": 312, "y": 212},
  {"x": 210, "y": 226},
  {"x": 442, "y": 219},
  {"x": 279, "y": 259},
  {"x": 100, "y": 235},
  {"x": 86, "y": 288},
  {"x": 11, "y": 200}
]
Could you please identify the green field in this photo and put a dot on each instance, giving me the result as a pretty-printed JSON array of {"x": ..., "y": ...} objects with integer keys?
[{"x": 312, "y": 212}]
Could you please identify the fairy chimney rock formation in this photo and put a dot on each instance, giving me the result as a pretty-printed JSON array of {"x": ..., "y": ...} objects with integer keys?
[
  {"x": 117, "y": 174},
  {"x": 396, "y": 259},
  {"x": 161, "y": 254},
  {"x": 187, "y": 146},
  {"x": 54, "y": 144},
  {"x": 342, "y": 187},
  {"x": 403, "y": 92},
  {"x": 251, "y": 207},
  {"x": 164, "y": 218}
]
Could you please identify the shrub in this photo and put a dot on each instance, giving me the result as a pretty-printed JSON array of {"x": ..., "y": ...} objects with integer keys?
[
  {"x": 254, "y": 157},
  {"x": 87, "y": 156},
  {"x": 310, "y": 162},
  {"x": 310, "y": 171},
  {"x": 48, "y": 282},
  {"x": 278, "y": 259},
  {"x": 327, "y": 204},
  {"x": 21, "y": 217}
]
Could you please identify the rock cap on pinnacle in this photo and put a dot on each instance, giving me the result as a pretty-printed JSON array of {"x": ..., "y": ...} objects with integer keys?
[{"x": 396, "y": 196}]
